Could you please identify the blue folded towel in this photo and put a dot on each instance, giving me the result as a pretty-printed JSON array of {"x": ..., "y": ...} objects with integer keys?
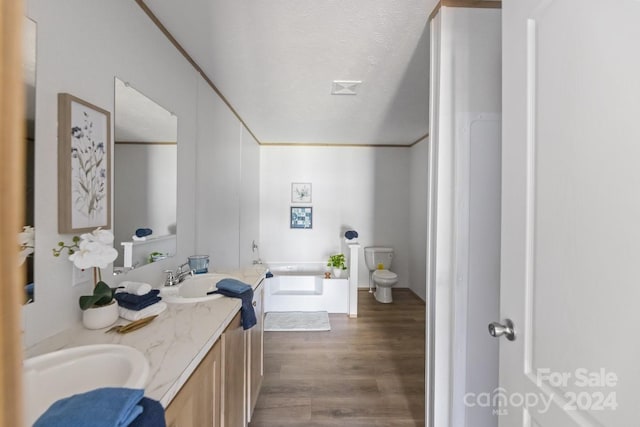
[
  {"x": 152, "y": 414},
  {"x": 236, "y": 289},
  {"x": 351, "y": 234},
  {"x": 143, "y": 232},
  {"x": 102, "y": 407},
  {"x": 233, "y": 285},
  {"x": 137, "y": 302}
]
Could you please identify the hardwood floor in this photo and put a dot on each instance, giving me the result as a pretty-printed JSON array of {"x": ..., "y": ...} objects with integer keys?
[{"x": 365, "y": 372}]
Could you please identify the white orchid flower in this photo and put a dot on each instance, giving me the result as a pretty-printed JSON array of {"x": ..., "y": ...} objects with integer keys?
[
  {"x": 99, "y": 235},
  {"x": 94, "y": 250},
  {"x": 27, "y": 237},
  {"x": 24, "y": 254}
]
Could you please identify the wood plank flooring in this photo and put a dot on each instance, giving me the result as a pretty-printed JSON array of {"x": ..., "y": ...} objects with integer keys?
[{"x": 365, "y": 372}]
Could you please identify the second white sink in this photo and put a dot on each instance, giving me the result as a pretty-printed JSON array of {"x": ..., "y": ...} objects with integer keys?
[{"x": 194, "y": 289}]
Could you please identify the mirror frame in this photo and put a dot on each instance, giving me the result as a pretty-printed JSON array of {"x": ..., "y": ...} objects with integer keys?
[{"x": 29, "y": 75}]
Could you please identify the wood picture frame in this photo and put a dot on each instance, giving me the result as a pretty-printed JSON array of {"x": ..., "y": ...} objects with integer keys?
[
  {"x": 84, "y": 166},
  {"x": 300, "y": 192}
]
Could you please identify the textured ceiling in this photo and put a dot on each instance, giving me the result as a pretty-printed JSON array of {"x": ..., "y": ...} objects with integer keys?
[{"x": 274, "y": 62}]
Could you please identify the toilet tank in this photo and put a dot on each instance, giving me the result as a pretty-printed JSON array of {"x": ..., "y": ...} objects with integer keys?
[{"x": 376, "y": 255}]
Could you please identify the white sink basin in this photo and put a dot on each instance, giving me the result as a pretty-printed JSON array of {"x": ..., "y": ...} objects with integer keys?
[
  {"x": 54, "y": 376},
  {"x": 193, "y": 289}
]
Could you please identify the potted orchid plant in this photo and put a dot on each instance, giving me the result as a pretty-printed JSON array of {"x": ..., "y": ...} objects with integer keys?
[{"x": 94, "y": 250}]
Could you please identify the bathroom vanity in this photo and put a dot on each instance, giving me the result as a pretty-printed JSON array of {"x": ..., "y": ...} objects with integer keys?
[
  {"x": 204, "y": 368},
  {"x": 223, "y": 389}
]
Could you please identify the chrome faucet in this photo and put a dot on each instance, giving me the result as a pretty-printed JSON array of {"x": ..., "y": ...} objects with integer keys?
[
  {"x": 170, "y": 280},
  {"x": 180, "y": 275}
]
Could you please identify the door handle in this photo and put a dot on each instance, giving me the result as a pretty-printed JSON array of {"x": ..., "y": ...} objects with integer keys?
[{"x": 497, "y": 329}]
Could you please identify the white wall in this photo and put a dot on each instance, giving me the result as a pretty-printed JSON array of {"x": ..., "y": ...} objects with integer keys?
[
  {"x": 418, "y": 188},
  {"x": 483, "y": 302},
  {"x": 228, "y": 166},
  {"x": 362, "y": 188},
  {"x": 249, "y": 199},
  {"x": 81, "y": 46},
  {"x": 465, "y": 120},
  {"x": 218, "y": 186}
]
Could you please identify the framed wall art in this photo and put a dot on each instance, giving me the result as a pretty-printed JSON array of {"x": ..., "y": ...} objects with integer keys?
[
  {"x": 301, "y": 217},
  {"x": 84, "y": 165},
  {"x": 301, "y": 192}
]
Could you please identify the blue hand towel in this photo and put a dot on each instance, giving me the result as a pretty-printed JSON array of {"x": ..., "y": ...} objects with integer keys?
[
  {"x": 102, "y": 407},
  {"x": 139, "y": 306},
  {"x": 152, "y": 414},
  {"x": 233, "y": 285},
  {"x": 236, "y": 289},
  {"x": 137, "y": 302},
  {"x": 135, "y": 299}
]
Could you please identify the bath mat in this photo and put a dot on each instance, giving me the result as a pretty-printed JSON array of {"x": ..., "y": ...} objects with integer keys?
[{"x": 297, "y": 321}]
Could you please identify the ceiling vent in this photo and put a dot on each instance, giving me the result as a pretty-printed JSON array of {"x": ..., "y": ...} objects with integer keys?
[{"x": 345, "y": 87}]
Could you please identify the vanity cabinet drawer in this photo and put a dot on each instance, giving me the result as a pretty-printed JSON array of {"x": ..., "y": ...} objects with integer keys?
[
  {"x": 233, "y": 374},
  {"x": 198, "y": 401}
]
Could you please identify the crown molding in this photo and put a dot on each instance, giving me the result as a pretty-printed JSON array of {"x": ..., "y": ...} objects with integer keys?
[{"x": 476, "y": 4}]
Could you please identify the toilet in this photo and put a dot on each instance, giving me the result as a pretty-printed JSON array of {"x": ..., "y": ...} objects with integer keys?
[{"x": 378, "y": 260}]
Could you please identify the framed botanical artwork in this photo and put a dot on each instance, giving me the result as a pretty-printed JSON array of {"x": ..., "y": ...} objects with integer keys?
[
  {"x": 301, "y": 217},
  {"x": 301, "y": 192},
  {"x": 84, "y": 165}
]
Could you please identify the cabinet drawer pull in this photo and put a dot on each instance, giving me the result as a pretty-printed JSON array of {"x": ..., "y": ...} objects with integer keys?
[{"x": 255, "y": 303}]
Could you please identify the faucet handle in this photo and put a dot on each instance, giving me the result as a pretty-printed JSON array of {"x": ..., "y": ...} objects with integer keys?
[{"x": 170, "y": 279}]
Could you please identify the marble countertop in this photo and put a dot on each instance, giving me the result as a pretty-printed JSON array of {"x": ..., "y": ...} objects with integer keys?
[{"x": 174, "y": 343}]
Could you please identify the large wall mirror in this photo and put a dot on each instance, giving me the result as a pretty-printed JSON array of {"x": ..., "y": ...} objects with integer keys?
[
  {"x": 29, "y": 75},
  {"x": 145, "y": 179}
]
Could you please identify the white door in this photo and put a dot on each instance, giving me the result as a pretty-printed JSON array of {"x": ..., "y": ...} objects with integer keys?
[{"x": 570, "y": 264}]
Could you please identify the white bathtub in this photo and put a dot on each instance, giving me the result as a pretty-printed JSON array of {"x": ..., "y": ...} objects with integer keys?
[
  {"x": 303, "y": 287},
  {"x": 298, "y": 269}
]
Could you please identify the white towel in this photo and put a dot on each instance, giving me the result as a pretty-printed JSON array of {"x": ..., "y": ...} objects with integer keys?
[
  {"x": 135, "y": 288},
  {"x": 133, "y": 315}
]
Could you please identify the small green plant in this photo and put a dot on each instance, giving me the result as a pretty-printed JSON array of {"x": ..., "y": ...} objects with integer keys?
[
  {"x": 337, "y": 261},
  {"x": 153, "y": 256}
]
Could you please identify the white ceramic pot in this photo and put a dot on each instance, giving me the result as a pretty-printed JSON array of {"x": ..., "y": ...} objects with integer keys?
[
  {"x": 337, "y": 273},
  {"x": 100, "y": 317}
]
